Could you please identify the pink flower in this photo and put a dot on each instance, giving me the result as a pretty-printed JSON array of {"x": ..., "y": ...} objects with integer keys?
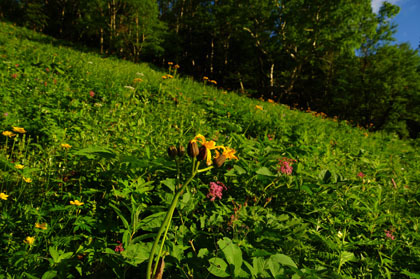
[
  {"x": 389, "y": 234},
  {"x": 286, "y": 165},
  {"x": 361, "y": 174},
  {"x": 119, "y": 247},
  {"x": 216, "y": 189},
  {"x": 14, "y": 76},
  {"x": 91, "y": 94}
]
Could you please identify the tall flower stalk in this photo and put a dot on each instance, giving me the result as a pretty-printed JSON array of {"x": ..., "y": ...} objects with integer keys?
[{"x": 197, "y": 154}]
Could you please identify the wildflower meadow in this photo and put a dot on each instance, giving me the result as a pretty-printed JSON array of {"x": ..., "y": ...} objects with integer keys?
[{"x": 111, "y": 169}]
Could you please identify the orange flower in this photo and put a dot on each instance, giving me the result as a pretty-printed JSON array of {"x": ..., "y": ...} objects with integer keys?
[
  {"x": 42, "y": 226},
  {"x": 66, "y": 145}
]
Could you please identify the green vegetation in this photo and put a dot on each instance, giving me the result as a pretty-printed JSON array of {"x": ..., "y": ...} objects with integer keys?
[
  {"x": 316, "y": 55},
  {"x": 86, "y": 179}
]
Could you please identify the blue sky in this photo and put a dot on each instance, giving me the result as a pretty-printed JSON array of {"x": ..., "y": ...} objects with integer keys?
[{"x": 408, "y": 20}]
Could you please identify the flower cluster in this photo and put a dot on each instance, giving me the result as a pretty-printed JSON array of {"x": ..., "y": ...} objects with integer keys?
[
  {"x": 204, "y": 152},
  {"x": 168, "y": 76},
  {"x": 215, "y": 191},
  {"x": 389, "y": 233},
  {"x": 119, "y": 247},
  {"x": 285, "y": 165}
]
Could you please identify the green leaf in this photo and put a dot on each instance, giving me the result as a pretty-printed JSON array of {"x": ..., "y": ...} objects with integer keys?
[
  {"x": 203, "y": 252},
  {"x": 49, "y": 274},
  {"x": 152, "y": 221},
  {"x": 218, "y": 267},
  {"x": 54, "y": 254},
  {"x": 232, "y": 252},
  {"x": 119, "y": 213},
  {"x": 137, "y": 253},
  {"x": 275, "y": 263},
  {"x": 411, "y": 275},
  {"x": 346, "y": 256},
  {"x": 92, "y": 151},
  {"x": 239, "y": 170},
  {"x": 264, "y": 171},
  {"x": 170, "y": 183}
]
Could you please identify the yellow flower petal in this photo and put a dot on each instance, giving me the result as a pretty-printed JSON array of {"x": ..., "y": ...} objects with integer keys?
[
  {"x": 76, "y": 202},
  {"x": 19, "y": 166},
  {"x": 66, "y": 145},
  {"x": 29, "y": 240},
  {"x": 27, "y": 179},
  {"x": 259, "y": 107},
  {"x": 19, "y": 130},
  {"x": 8, "y": 134},
  {"x": 42, "y": 226},
  {"x": 3, "y": 196}
]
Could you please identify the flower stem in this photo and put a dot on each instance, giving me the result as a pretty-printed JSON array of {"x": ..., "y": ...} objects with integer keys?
[{"x": 165, "y": 225}]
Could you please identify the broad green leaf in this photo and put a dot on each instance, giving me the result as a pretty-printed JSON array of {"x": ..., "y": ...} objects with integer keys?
[
  {"x": 218, "y": 267},
  {"x": 203, "y": 252},
  {"x": 152, "y": 221},
  {"x": 50, "y": 274},
  {"x": 136, "y": 253},
  {"x": 170, "y": 183},
  {"x": 232, "y": 252},
  {"x": 264, "y": 171},
  {"x": 282, "y": 259},
  {"x": 54, "y": 254},
  {"x": 239, "y": 170}
]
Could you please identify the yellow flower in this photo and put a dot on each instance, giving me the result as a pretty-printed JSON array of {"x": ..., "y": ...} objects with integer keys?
[
  {"x": 270, "y": 101},
  {"x": 27, "y": 179},
  {"x": 42, "y": 226},
  {"x": 29, "y": 240},
  {"x": 169, "y": 76},
  {"x": 8, "y": 134},
  {"x": 170, "y": 63},
  {"x": 259, "y": 107},
  {"x": 228, "y": 152},
  {"x": 137, "y": 80},
  {"x": 164, "y": 77},
  {"x": 76, "y": 202},
  {"x": 66, "y": 145},
  {"x": 213, "y": 81},
  {"x": 205, "y": 78},
  {"x": 19, "y": 130},
  {"x": 19, "y": 166},
  {"x": 176, "y": 66},
  {"x": 3, "y": 196},
  {"x": 210, "y": 145}
]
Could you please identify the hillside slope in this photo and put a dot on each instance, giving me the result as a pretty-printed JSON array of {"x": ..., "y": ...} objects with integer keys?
[{"x": 309, "y": 196}]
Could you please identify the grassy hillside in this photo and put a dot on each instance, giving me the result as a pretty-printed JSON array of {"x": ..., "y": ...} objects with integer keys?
[{"x": 86, "y": 179}]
